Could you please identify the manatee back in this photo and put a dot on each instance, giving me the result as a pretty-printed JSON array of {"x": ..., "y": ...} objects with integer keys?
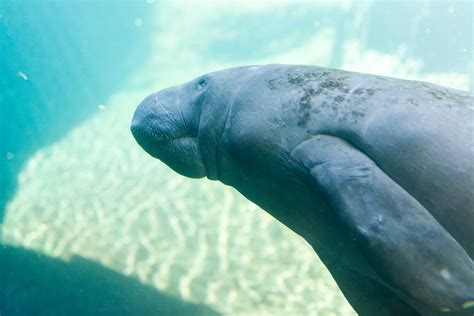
[{"x": 419, "y": 134}]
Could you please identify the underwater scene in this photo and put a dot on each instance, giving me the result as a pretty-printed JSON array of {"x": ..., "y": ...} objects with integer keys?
[{"x": 93, "y": 225}]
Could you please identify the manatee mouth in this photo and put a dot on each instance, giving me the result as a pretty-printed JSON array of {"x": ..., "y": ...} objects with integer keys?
[
  {"x": 181, "y": 153},
  {"x": 146, "y": 137},
  {"x": 146, "y": 133}
]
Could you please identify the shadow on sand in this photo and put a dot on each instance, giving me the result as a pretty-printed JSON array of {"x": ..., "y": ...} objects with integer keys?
[{"x": 35, "y": 284}]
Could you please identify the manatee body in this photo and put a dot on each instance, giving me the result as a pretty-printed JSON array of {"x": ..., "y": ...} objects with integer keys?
[{"x": 376, "y": 173}]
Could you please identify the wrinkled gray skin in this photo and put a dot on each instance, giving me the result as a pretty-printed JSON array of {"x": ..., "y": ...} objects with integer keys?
[{"x": 377, "y": 174}]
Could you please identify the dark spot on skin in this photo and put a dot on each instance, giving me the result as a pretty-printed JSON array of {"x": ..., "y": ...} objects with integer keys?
[
  {"x": 320, "y": 90},
  {"x": 296, "y": 80},
  {"x": 312, "y": 131},
  {"x": 438, "y": 94},
  {"x": 303, "y": 119},
  {"x": 305, "y": 102},
  {"x": 272, "y": 83},
  {"x": 331, "y": 84},
  {"x": 305, "y": 106},
  {"x": 301, "y": 79},
  {"x": 413, "y": 102},
  {"x": 339, "y": 99},
  {"x": 314, "y": 84},
  {"x": 286, "y": 104},
  {"x": 342, "y": 118},
  {"x": 359, "y": 92},
  {"x": 358, "y": 113},
  {"x": 323, "y": 78}
]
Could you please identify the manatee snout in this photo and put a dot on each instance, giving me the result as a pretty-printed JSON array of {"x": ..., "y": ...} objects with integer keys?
[
  {"x": 149, "y": 124},
  {"x": 166, "y": 130}
]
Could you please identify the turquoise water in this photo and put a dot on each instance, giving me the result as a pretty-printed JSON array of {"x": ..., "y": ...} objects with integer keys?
[{"x": 92, "y": 225}]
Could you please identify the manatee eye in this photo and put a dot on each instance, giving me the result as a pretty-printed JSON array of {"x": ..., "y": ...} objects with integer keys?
[{"x": 202, "y": 83}]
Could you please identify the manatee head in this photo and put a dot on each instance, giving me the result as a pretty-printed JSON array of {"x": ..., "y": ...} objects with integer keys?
[{"x": 183, "y": 125}]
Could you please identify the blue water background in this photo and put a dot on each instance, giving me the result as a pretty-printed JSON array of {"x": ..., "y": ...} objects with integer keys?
[{"x": 60, "y": 61}]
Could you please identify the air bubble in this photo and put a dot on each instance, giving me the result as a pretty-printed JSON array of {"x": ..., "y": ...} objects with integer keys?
[{"x": 138, "y": 22}]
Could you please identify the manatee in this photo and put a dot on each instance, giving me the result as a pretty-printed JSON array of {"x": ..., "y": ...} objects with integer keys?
[{"x": 375, "y": 173}]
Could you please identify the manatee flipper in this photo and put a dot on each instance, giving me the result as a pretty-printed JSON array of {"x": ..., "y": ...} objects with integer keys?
[
  {"x": 390, "y": 226},
  {"x": 368, "y": 297}
]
